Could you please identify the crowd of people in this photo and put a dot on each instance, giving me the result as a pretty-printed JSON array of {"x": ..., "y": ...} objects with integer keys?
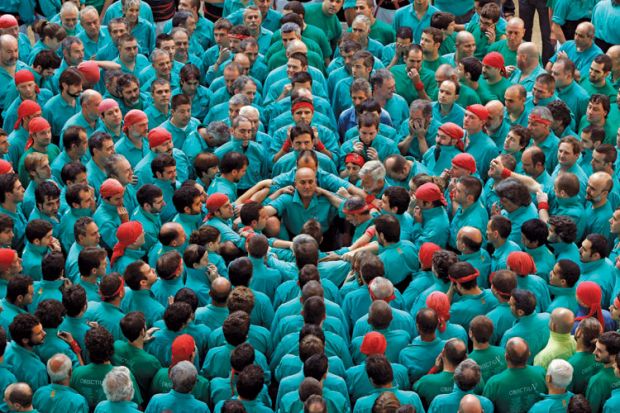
[{"x": 332, "y": 206}]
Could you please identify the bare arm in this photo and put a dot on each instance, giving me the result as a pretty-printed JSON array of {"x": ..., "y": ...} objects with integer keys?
[{"x": 333, "y": 199}]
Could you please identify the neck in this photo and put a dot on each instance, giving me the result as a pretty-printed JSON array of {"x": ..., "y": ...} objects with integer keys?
[
  {"x": 90, "y": 279},
  {"x": 64, "y": 382},
  {"x": 499, "y": 242},
  {"x": 515, "y": 115},
  {"x": 555, "y": 390},
  {"x": 10, "y": 206},
  {"x": 129, "y": 64},
  {"x": 473, "y": 291},
  {"x": 99, "y": 162},
  {"x": 136, "y": 140},
  {"x": 139, "y": 343},
  {"x": 381, "y": 99},
  {"x": 446, "y": 107},
  {"x": 163, "y": 108},
  {"x": 420, "y": 7},
  {"x": 600, "y": 203},
  {"x": 528, "y": 70},
  {"x": 427, "y": 336},
  {"x": 68, "y": 98},
  {"x": 582, "y": 348},
  {"x": 448, "y": 368},
  {"x": 481, "y": 346}
]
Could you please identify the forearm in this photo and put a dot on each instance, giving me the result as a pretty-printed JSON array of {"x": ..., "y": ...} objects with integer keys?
[
  {"x": 559, "y": 34},
  {"x": 403, "y": 146},
  {"x": 368, "y": 246}
]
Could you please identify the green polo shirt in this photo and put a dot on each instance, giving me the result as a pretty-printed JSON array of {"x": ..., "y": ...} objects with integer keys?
[
  {"x": 516, "y": 389},
  {"x": 491, "y": 361},
  {"x": 330, "y": 25},
  {"x": 584, "y": 367},
  {"x": 600, "y": 387},
  {"x": 143, "y": 365},
  {"x": 161, "y": 383},
  {"x": 364, "y": 405},
  {"x": 294, "y": 214},
  {"x": 87, "y": 381}
]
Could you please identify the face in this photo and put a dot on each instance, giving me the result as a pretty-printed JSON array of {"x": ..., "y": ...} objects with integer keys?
[
  {"x": 287, "y": 38},
  {"x": 585, "y": 251},
  {"x": 601, "y": 354},
  {"x": 161, "y": 95},
  {"x": 614, "y": 222},
  {"x": 595, "y": 190},
  {"x": 305, "y": 183},
  {"x": 514, "y": 102},
  {"x": 472, "y": 122},
  {"x": 293, "y": 66},
  {"x": 91, "y": 237},
  {"x": 387, "y": 89},
  {"x": 149, "y": 273},
  {"x": 541, "y": 91},
  {"x": 251, "y": 51},
  {"x": 597, "y": 74},
  {"x": 85, "y": 201},
  {"x": 226, "y": 211},
  {"x": 131, "y": 93},
  {"x": 50, "y": 206},
  {"x": 128, "y": 51},
  {"x": 229, "y": 77},
  {"x": 331, "y": 7},
  {"x": 359, "y": 70},
  {"x": 240, "y": 173},
  {"x": 353, "y": 170},
  {"x": 181, "y": 43},
  {"x": 243, "y": 131},
  {"x": 75, "y": 54},
  {"x": 249, "y": 90},
  {"x": 4, "y": 144},
  {"x": 9, "y": 53},
  {"x": 368, "y": 134},
  {"x": 221, "y": 37},
  {"x": 361, "y": 7},
  {"x": 538, "y": 129},
  {"x": 90, "y": 109},
  {"x": 69, "y": 20},
  {"x": 182, "y": 115},
  {"x": 486, "y": 24},
  {"x": 554, "y": 276},
  {"x": 190, "y": 86},
  {"x": 6, "y": 237},
  {"x": 252, "y": 19},
  {"x": 358, "y": 98},
  {"x": 303, "y": 115},
  {"x": 615, "y": 314},
  {"x": 168, "y": 47},
  {"x": 169, "y": 174},
  {"x": 124, "y": 171},
  {"x": 42, "y": 139},
  {"x": 108, "y": 148},
  {"x": 158, "y": 205},
  {"x": 467, "y": 48},
  {"x": 163, "y": 65},
  {"x": 460, "y": 194},
  {"x": 91, "y": 24},
  {"x": 447, "y": 93},
  {"x": 561, "y": 78},
  {"x": 38, "y": 334},
  {"x": 360, "y": 30},
  {"x": 303, "y": 142},
  {"x": 566, "y": 157},
  {"x": 233, "y": 111},
  {"x": 443, "y": 139},
  {"x": 27, "y": 90},
  {"x": 595, "y": 113},
  {"x": 583, "y": 39},
  {"x": 427, "y": 43},
  {"x": 515, "y": 34},
  {"x": 512, "y": 144},
  {"x": 113, "y": 117},
  {"x": 132, "y": 13},
  {"x": 490, "y": 73},
  {"x": 43, "y": 170},
  {"x": 117, "y": 31}
]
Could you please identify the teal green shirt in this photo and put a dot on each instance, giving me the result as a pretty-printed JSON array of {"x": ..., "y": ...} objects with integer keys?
[
  {"x": 491, "y": 361},
  {"x": 584, "y": 367},
  {"x": 503, "y": 319},
  {"x": 474, "y": 215},
  {"x": 600, "y": 387},
  {"x": 407, "y": 17},
  {"x": 56, "y": 398},
  {"x": 176, "y": 401},
  {"x": 538, "y": 287},
  {"x": 449, "y": 403},
  {"x": 420, "y": 356},
  {"x": 87, "y": 381},
  {"x": 116, "y": 407},
  {"x": 294, "y": 214},
  {"x": 534, "y": 329},
  {"x": 108, "y": 316},
  {"x": 613, "y": 403},
  {"x": 143, "y": 300},
  {"x": 25, "y": 365},
  {"x": 516, "y": 389},
  {"x": 54, "y": 345},
  {"x": 469, "y": 306},
  {"x": 364, "y": 405}
]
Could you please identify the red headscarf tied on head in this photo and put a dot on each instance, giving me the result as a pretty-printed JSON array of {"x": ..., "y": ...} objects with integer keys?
[
  {"x": 215, "y": 202},
  {"x": 373, "y": 343},
  {"x": 23, "y": 76},
  {"x": 90, "y": 70},
  {"x": 5, "y": 167},
  {"x": 439, "y": 302},
  {"x": 465, "y": 161},
  {"x": 302, "y": 104},
  {"x": 36, "y": 125},
  {"x": 111, "y": 187},
  {"x": 480, "y": 111},
  {"x": 426, "y": 254},
  {"x": 430, "y": 192},
  {"x": 182, "y": 349},
  {"x": 157, "y": 136},
  {"x": 7, "y": 21},
  {"x": 355, "y": 158},
  {"x": 590, "y": 295},
  {"x": 455, "y": 132},
  {"x": 136, "y": 116},
  {"x": 127, "y": 233},
  {"x": 496, "y": 60},
  {"x": 521, "y": 263},
  {"x": 26, "y": 108},
  {"x": 7, "y": 256}
]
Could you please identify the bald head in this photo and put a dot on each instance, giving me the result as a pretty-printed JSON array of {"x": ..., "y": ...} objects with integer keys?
[
  {"x": 495, "y": 107},
  {"x": 562, "y": 320},
  {"x": 496, "y": 115},
  {"x": 221, "y": 286},
  {"x": 304, "y": 173},
  {"x": 614, "y": 53},
  {"x": 470, "y": 404},
  {"x": 517, "y": 352},
  {"x": 18, "y": 397},
  {"x": 515, "y": 23},
  {"x": 470, "y": 233},
  {"x": 587, "y": 28},
  {"x": 600, "y": 181},
  {"x": 464, "y": 36},
  {"x": 529, "y": 54},
  {"x": 296, "y": 46},
  {"x": 59, "y": 368},
  {"x": 445, "y": 72}
]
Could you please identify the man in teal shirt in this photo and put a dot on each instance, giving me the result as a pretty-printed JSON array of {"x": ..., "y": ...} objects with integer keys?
[
  {"x": 140, "y": 277},
  {"x": 602, "y": 384},
  {"x": 305, "y": 203},
  {"x": 180, "y": 396},
  {"x": 470, "y": 211},
  {"x": 58, "y": 396},
  {"x": 531, "y": 326},
  {"x": 417, "y": 16},
  {"x": 420, "y": 355},
  {"x": 472, "y": 301},
  {"x": 19, "y": 357},
  {"x": 568, "y": 89}
]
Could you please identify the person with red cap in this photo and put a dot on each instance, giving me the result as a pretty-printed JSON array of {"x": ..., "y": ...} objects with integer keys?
[
  {"x": 448, "y": 144},
  {"x": 477, "y": 142},
  {"x": 440, "y": 302},
  {"x": 133, "y": 143},
  {"x": 111, "y": 213},
  {"x": 431, "y": 215},
  {"x": 494, "y": 76},
  {"x": 40, "y": 141},
  {"x": 183, "y": 348},
  {"x": 220, "y": 212},
  {"x": 10, "y": 25},
  {"x": 590, "y": 298},
  {"x": 27, "y": 89},
  {"x": 423, "y": 278},
  {"x": 88, "y": 116},
  {"x": 27, "y": 111},
  {"x": 10, "y": 266},
  {"x": 112, "y": 119},
  {"x": 372, "y": 343},
  {"x": 160, "y": 141},
  {"x": 522, "y": 264},
  {"x": 128, "y": 249}
]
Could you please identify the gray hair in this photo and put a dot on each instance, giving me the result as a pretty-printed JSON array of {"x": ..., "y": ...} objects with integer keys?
[
  {"x": 426, "y": 106},
  {"x": 381, "y": 75},
  {"x": 88, "y": 94},
  {"x": 112, "y": 162},
  {"x": 87, "y": 10},
  {"x": 360, "y": 18},
  {"x": 381, "y": 288},
  {"x": 183, "y": 376},
  {"x": 236, "y": 121},
  {"x": 59, "y": 368},
  {"x": 374, "y": 169},
  {"x": 239, "y": 99},
  {"x": 241, "y": 81},
  {"x": 467, "y": 374},
  {"x": 543, "y": 112},
  {"x": 303, "y": 239},
  {"x": 290, "y": 28},
  {"x": 68, "y": 6},
  {"x": 249, "y": 9},
  {"x": 157, "y": 53},
  {"x": 219, "y": 131},
  {"x": 128, "y": 3},
  {"x": 117, "y": 385},
  {"x": 561, "y": 373},
  {"x": 248, "y": 110}
]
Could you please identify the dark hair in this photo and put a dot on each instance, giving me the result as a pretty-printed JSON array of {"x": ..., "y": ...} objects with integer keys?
[
  {"x": 50, "y": 313},
  {"x": 7, "y": 185},
  {"x": 502, "y": 225},
  {"x": 52, "y": 266},
  {"x": 95, "y": 141},
  {"x": 236, "y": 328},
  {"x": 569, "y": 272},
  {"x": 426, "y": 320},
  {"x": 37, "y": 229},
  {"x": 515, "y": 191},
  {"x": 599, "y": 245},
  {"x": 240, "y": 271},
  {"x": 74, "y": 299},
  {"x": 70, "y": 171},
  {"x": 399, "y": 198},
  {"x": 535, "y": 230},
  {"x": 564, "y": 227},
  {"x": 524, "y": 300},
  {"x": 472, "y": 66},
  {"x": 21, "y": 327},
  {"x": 132, "y": 325},
  {"x": 379, "y": 370},
  {"x": 316, "y": 366},
  {"x": 460, "y": 270},
  {"x": 46, "y": 189},
  {"x": 389, "y": 227},
  {"x": 161, "y": 162},
  {"x": 481, "y": 327},
  {"x": 17, "y": 285},
  {"x": 109, "y": 286},
  {"x": 99, "y": 344},
  {"x": 184, "y": 197},
  {"x": 442, "y": 261},
  {"x": 133, "y": 274},
  {"x": 233, "y": 161},
  {"x": 250, "y": 382}
]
